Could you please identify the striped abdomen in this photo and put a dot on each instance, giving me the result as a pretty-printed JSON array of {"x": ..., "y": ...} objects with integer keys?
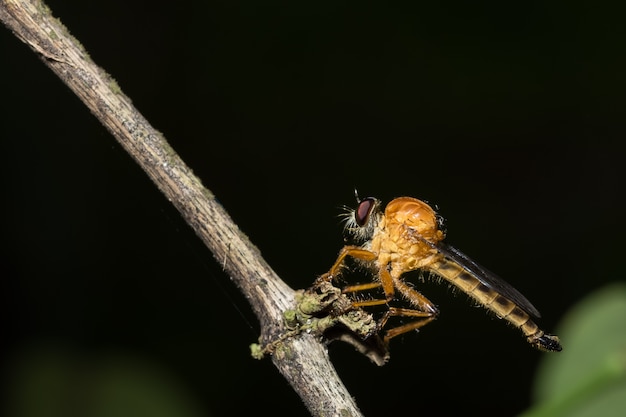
[{"x": 494, "y": 301}]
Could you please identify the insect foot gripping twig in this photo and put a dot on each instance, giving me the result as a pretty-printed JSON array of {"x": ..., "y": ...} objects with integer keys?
[{"x": 324, "y": 311}]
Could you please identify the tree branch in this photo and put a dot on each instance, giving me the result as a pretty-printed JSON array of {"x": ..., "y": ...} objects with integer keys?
[{"x": 303, "y": 360}]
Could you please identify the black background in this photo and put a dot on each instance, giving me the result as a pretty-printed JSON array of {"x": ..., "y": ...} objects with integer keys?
[{"x": 508, "y": 117}]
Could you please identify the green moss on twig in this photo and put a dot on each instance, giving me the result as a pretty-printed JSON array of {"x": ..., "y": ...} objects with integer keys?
[{"x": 325, "y": 312}]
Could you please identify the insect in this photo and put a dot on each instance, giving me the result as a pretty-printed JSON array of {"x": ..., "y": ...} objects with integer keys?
[{"x": 407, "y": 236}]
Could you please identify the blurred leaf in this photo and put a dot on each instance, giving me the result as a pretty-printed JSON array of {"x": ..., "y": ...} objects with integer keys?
[
  {"x": 589, "y": 377},
  {"x": 50, "y": 382}
]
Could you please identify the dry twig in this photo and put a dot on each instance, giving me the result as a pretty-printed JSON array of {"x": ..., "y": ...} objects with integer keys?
[{"x": 303, "y": 360}]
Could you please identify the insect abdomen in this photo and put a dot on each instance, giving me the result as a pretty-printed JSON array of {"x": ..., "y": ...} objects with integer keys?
[{"x": 491, "y": 299}]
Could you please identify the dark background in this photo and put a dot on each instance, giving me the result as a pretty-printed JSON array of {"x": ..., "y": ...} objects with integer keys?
[{"x": 508, "y": 117}]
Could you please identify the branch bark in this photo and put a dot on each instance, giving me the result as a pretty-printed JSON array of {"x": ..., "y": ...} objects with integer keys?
[{"x": 304, "y": 361}]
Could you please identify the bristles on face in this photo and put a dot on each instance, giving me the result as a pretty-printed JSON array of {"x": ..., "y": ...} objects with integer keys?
[{"x": 355, "y": 230}]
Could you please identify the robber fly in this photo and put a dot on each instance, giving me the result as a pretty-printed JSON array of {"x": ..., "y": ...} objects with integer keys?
[{"x": 407, "y": 236}]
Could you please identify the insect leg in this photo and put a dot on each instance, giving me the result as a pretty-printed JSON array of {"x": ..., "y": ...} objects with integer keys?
[
  {"x": 414, "y": 297},
  {"x": 352, "y": 251},
  {"x": 364, "y": 287},
  {"x": 423, "y": 318}
]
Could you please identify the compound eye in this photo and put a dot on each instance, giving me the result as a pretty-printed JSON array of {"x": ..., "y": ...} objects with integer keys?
[{"x": 363, "y": 211}]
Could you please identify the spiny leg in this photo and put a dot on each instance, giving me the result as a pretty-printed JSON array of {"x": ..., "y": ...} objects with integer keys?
[
  {"x": 385, "y": 281},
  {"x": 352, "y": 251},
  {"x": 424, "y": 313},
  {"x": 390, "y": 283},
  {"x": 423, "y": 318},
  {"x": 361, "y": 287},
  {"x": 365, "y": 287},
  {"x": 414, "y": 297},
  {"x": 425, "y": 310}
]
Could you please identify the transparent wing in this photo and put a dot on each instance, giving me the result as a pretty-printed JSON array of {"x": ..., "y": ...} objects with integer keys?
[{"x": 487, "y": 277}]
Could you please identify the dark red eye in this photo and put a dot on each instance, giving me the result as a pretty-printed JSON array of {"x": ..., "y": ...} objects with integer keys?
[{"x": 363, "y": 211}]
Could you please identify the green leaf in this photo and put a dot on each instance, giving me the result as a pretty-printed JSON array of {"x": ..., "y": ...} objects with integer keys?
[
  {"x": 589, "y": 377},
  {"x": 50, "y": 382}
]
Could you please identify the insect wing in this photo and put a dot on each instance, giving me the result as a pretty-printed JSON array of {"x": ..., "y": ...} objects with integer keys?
[{"x": 487, "y": 277}]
